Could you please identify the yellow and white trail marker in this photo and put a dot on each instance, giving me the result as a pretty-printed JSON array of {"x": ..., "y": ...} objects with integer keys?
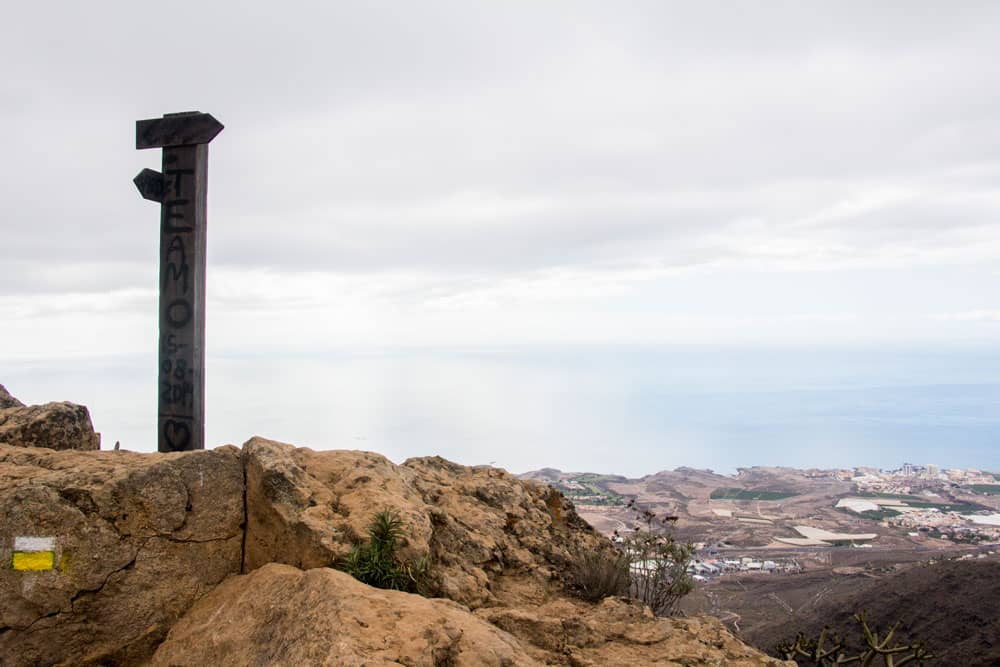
[{"x": 34, "y": 554}]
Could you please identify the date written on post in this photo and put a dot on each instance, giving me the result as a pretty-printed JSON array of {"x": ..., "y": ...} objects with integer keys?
[{"x": 176, "y": 382}]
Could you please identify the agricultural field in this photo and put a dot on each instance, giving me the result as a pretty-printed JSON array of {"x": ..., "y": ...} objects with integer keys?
[
  {"x": 748, "y": 494},
  {"x": 589, "y": 489}
]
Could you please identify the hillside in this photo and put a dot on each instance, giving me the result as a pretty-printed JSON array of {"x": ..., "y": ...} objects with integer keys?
[
  {"x": 953, "y": 606},
  {"x": 780, "y": 508}
]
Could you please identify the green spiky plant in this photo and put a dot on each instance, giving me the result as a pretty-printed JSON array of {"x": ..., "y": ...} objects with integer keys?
[{"x": 376, "y": 562}]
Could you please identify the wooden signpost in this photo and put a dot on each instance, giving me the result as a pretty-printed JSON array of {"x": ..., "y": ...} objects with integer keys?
[{"x": 181, "y": 190}]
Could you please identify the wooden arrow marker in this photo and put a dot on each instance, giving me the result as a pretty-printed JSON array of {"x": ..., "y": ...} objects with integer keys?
[
  {"x": 150, "y": 184},
  {"x": 181, "y": 190}
]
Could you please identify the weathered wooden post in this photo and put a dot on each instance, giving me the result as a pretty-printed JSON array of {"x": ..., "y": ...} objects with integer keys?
[{"x": 181, "y": 191}]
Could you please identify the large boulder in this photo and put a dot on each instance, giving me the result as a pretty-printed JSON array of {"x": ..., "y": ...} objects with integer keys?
[
  {"x": 103, "y": 551},
  {"x": 280, "y": 615},
  {"x": 490, "y": 538},
  {"x": 54, "y": 425}
]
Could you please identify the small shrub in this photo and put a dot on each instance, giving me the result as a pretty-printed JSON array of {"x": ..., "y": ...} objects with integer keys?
[
  {"x": 659, "y": 576},
  {"x": 651, "y": 567},
  {"x": 597, "y": 575},
  {"x": 376, "y": 563}
]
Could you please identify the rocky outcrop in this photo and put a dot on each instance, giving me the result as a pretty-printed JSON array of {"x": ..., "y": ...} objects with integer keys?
[
  {"x": 102, "y": 552},
  {"x": 280, "y": 615},
  {"x": 486, "y": 533},
  {"x": 566, "y": 631},
  {"x": 54, "y": 425},
  {"x": 8, "y": 401}
]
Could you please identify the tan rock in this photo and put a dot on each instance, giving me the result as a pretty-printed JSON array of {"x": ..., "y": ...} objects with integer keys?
[
  {"x": 8, "y": 401},
  {"x": 308, "y": 508},
  {"x": 136, "y": 539},
  {"x": 483, "y": 530},
  {"x": 54, "y": 425},
  {"x": 279, "y": 615},
  {"x": 621, "y": 632}
]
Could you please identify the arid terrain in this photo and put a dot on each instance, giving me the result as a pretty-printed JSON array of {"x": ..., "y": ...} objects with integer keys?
[
  {"x": 767, "y": 508},
  {"x": 784, "y": 550},
  {"x": 953, "y": 606}
]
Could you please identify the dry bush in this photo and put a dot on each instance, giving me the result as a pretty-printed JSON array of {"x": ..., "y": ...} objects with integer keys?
[
  {"x": 597, "y": 575},
  {"x": 651, "y": 566}
]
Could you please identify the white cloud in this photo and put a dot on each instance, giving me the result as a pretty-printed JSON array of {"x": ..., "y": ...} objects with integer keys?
[{"x": 502, "y": 171}]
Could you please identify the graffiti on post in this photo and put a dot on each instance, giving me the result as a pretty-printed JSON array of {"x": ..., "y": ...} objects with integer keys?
[{"x": 180, "y": 190}]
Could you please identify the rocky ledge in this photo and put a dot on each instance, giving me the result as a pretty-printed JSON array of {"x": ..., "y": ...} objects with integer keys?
[{"x": 222, "y": 557}]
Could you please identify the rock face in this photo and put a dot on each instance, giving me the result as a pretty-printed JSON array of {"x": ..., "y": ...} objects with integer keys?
[
  {"x": 566, "y": 631},
  {"x": 102, "y": 552},
  {"x": 281, "y": 615},
  {"x": 487, "y": 534},
  {"x": 54, "y": 425}
]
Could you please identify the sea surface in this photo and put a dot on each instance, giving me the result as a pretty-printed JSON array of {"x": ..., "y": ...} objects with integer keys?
[{"x": 629, "y": 410}]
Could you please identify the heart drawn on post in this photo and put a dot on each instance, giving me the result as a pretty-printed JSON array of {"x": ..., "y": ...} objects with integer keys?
[{"x": 177, "y": 434}]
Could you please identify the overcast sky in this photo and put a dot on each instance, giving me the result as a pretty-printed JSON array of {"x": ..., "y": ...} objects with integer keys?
[{"x": 463, "y": 173}]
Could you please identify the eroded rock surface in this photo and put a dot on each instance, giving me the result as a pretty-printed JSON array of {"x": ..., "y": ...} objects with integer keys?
[
  {"x": 281, "y": 615},
  {"x": 61, "y": 425},
  {"x": 566, "y": 631},
  {"x": 137, "y": 538},
  {"x": 142, "y": 544},
  {"x": 491, "y": 538}
]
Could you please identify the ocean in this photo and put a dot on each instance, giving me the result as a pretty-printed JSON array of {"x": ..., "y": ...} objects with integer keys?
[{"x": 629, "y": 410}]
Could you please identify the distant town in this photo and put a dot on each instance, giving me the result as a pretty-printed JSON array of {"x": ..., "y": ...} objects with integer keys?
[
  {"x": 782, "y": 520},
  {"x": 772, "y": 544}
]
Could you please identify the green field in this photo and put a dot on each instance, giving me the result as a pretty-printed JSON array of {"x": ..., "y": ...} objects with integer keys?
[
  {"x": 961, "y": 508},
  {"x": 889, "y": 496},
  {"x": 592, "y": 494},
  {"x": 747, "y": 494},
  {"x": 879, "y": 515},
  {"x": 875, "y": 515},
  {"x": 986, "y": 489}
]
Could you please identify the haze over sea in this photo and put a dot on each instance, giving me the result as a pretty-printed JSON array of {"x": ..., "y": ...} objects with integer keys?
[{"x": 627, "y": 409}]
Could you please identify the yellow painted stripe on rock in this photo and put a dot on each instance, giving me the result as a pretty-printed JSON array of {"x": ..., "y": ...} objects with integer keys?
[{"x": 33, "y": 561}]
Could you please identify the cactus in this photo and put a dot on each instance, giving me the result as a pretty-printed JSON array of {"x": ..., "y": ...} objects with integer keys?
[{"x": 819, "y": 653}]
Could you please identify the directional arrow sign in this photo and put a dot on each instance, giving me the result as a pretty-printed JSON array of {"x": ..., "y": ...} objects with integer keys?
[
  {"x": 181, "y": 190},
  {"x": 176, "y": 129},
  {"x": 150, "y": 185}
]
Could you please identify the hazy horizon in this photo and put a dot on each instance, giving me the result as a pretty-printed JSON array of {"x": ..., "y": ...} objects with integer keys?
[
  {"x": 417, "y": 212},
  {"x": 630, "y": 410}
]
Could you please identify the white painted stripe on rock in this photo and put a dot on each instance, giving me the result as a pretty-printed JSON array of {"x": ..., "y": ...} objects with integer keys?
[{"x": 34, "y": 544}]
